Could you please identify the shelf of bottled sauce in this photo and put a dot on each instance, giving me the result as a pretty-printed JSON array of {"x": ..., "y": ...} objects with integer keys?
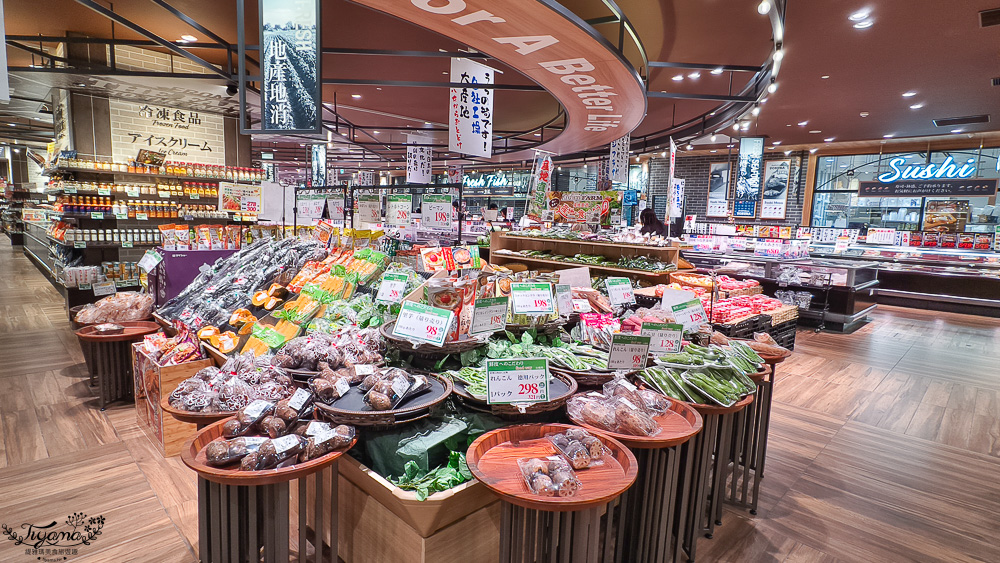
[
  {"x": 77, "y": 205},
  {"x": 183, "y": 169}
]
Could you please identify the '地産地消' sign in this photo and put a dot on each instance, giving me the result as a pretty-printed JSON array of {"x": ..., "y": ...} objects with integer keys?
[{"x": 290, "y": 65}]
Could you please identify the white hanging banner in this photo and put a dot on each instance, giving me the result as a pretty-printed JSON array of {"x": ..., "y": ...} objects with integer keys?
[
  {"x": 541, "y": 182},
  {"x": 332, "y": 178},
  {"x": 456, "y": 174},
  {"x": 418, "y": 161},
  {"x": 618, "y": 163},
  {"x": 673, "y": 163},
  {"x": 318, "y": 165},
  {"x": 366, "y": 178},
  {"x": 676, "y": 198},
  {"x": 470, "y": 129}
]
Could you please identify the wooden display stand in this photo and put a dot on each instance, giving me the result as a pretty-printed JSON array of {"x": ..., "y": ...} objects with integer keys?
[
  {"x": 153, "y": 384},
  {"x": 613, "y": 250},
  {"x": 111, "y": 358}
]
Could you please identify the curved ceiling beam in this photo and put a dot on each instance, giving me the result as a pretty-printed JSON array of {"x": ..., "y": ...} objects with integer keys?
[{"x": 602, "y": 94}]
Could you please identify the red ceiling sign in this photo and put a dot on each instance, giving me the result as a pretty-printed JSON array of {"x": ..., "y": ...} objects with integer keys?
[{"x": 603, "y": 96}]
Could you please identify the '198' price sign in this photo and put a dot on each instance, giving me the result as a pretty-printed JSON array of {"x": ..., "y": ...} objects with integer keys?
[
  {"x": 423, "y": 323},
  {"x": 436, "y": 211},
  {"x": 489, "y": 315},
  {"x": 392, "y": 288},
  {"x": 620, "y": 291},
  {"x": 628, "y": 352},
  {"x": 532, "y": 298},
  {"x": 520, "y": 381}
]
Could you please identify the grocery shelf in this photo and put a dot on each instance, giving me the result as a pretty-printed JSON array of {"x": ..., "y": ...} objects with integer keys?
[
  {"x": 91, "y": 244},
  {"x": 592, "y": 243},
  {"x": 567, "y": 264},
  {"x": 62, "y": 169}
]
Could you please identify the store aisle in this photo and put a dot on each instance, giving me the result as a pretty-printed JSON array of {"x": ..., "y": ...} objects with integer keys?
[{"x": 885, "y": 444}]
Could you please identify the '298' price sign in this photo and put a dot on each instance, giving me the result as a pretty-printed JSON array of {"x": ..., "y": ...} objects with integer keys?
[
  {"x": 423, "y": 323},
  {"x": 628, "y": 352},
  {"x": 519, "y": 381}
]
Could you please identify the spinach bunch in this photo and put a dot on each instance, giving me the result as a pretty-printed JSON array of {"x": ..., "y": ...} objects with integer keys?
[{"x": 440, "y": 478}]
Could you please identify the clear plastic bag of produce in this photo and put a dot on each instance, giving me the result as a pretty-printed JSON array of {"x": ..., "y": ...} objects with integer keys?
[
  {"x": 223, "y": 452},
  {"x": 326, "y": 441},
  {"x": 120, "y": 307},
  {"x": 549, "y": 477},
  {"x": 274, "y": 451},
  {"x": 247, "y": 418},
  {"x": 580, "y": 448}
]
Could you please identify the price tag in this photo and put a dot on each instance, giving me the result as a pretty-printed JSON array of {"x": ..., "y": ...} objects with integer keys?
[
  {"x": 532, "y": 298},
  {"x": 149, "y": 260},
  {"x": 132, "y": 192},
  {"x": 690, "y": 314},
  {"x": 69, "y": 190},
  {"x": 392, "y": 288},
  {"x": 126, "y": 244},
  {"x": 79, "y": 244},
  {"x": 163, "y": 194},
  {"x": 369, "y": 209},
  {"x": 564, "y": 298},
  {"x": 489, "y": 315},
  {"x": 628, "y": 352},
  {"x": 96, "y": 215},
  {"x": 141, "y": 217},
  {"x": 582, "y": 306},
  {"x": 620, "y": 291},
  {"x": 103, "y": 191},
  {"x": 664, "y": 338},
  {"x": 841, "y": 245},
  {"x": 104, "y": 288},
  {"x": 517, "y": 381},
  {"x": 50, "y": 198},
  {"x": 397, "y": 209},
  {"x": 83, "y": 286},
  {"x": 121, "y": 216},
  {"x": 423, "y": 323},
  {"x": 195, "y": 196},
  {"x": 436, "y": 211},
  {"x": 121, "y": 283}
]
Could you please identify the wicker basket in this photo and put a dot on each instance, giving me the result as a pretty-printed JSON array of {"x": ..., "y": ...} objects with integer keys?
[
  {"x": 387, "y": 418},
  {"x": 448, "y": 348},
  {"x": 783, "y": 314},
  {"x": 552, "y": 327}
]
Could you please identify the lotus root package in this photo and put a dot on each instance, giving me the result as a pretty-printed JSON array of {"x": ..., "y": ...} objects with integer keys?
[{"x": 549, "y": 477}]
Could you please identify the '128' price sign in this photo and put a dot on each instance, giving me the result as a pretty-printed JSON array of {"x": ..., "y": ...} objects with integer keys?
[
  {"x": 620, "y": 291},
  {"x": 690, "y": 314},
  {"x": 392, "y": 288},
  {"x": 664, "y": 338},
  {"x": 628, "y": 352},
  {"x": 532, "y": 298},
  {"x": 489, "y": 316},
  {"x": 423, "y": 323},
  {"x": 520, "y": 381}
]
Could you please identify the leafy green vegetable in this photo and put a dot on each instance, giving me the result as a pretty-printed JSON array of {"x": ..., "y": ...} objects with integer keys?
[{"x": 441, "y": 478}]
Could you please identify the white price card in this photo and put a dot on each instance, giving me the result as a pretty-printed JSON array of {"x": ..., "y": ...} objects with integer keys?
[
  {"x": 104, "y": 288},
  {"x": 141, "y": 217},
  {"x": 436, "y": 212},
  {"x": 620, "y": 291},
  {"x": 564, "y": 299},
  {"x": 103, "y": 191},
  {"x": 397, "y": 210},
  {"x": 79, "y": 244},
  {"x": 532, "y": 298},
  {"x": 149, "y": 260},
  {"x": 582, "y": 306},
  {"x": 841, "y": 245},
  {"x": 132, "y": 192},
  {"x": 520, "y": 381},
  {"x": 423, "y": 323},
  {"x": 628, "y": 352},
  {"x": 121, "y": 216},
  {"x": 127, "y": 244},
  {"x": 369, "y": 209},
  {"x": 195, "y": 196},
  {"x": 392, "y": 288},
  {"x": 664, "y": 338},
  {"x": 489, "y": 315},
  {"x": 690, "y": 314},
  {"x": 97, "y": 215}
]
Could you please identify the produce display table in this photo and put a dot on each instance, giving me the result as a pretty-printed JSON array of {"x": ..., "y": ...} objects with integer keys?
[
  {"x": 199, "y": 419},
  {"x": 579, "y": 528},
  {"x": 111, "y": 357},
  {"x": 650, "y": 530},
  {"x": 244, "y": 515},
  {"x": 707, "y": 456}
]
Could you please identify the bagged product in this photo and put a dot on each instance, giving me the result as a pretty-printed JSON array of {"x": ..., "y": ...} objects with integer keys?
[
  {"x": 549, "y": 477},
  {"x": 326, "y": 441},
  {"x": 224, "y": 452},
  {"x": 215, "y": 237},
  {"x": 273, "y": 451},
  {"x": 204, "y": 237},
  {"x": 580, "y": 448},
  {"x": 183, "y": 237},
  {"x": 247, "y": 418},
  {"x": 168, "y": 239}
]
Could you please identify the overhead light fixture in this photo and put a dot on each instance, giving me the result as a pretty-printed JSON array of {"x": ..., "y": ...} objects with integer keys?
[
  {"x": 825, "y": 76},
  {"x": 815, "y": 131},
  {"x": 788, "y": 153},
  {"x": 538, "y": 134},
  {"x": 690, "y": 147},
  {"x": 678, "y": 78},
  {"x": 189, "y": 38},
  {"x": 778, "y": 55},
  {"x": 713, "y": 150},
  {"x": 813, "y": 150},
  {"x": 717, "y": 71},
  {"x": 776, "y": 143},
  {"x": 909, "y": 94},
  {"x": 695, "y": 75},
  {"x": 713, "y": 138},
  {"x": 772, "y": 87},
  {"x": 356, "y": 96},
  {"x": 864, "y": 24},
  {"x": 755, "y": 110},
  {"x": 803, "y": 123},
  {"x": 12, "y": 124},
  {"x": 764, "y": 7},
  {"x": 736, "y": 127},
  {"x": 859, "y": 15},
  {"x": 637, "y": 159},
  {"x": 889, "y": 136},
  {"x": 745, "y": 126},
  {"x": 80, "y": 85},
  {"x": 956, "y": 130},
  {"x": 864, "y": 114},
  {"x": 828, "y": 140},
  {"x": 917, "y": 106},
  {"x": 376, "y": 132},
  {"x": 663, "y": 154},
  {"x": 427, "y": 123}
]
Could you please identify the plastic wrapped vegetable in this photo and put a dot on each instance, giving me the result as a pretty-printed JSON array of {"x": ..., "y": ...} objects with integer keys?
[
  {"x": 224, "y": 452},
  {"x": 582, "y": 449},
  {"x": 549, "y": 477},
  {"x": 247, "y": 418}
]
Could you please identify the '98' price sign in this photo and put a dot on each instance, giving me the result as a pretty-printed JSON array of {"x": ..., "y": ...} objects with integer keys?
[
  {"x": 532, "y": 298},
  {"x": 423, "y": 323},
  {"x": 517, "y": 381},
  {"x": 628, "y": 352}
]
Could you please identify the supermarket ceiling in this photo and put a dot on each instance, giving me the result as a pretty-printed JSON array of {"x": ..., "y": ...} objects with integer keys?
[{"x": 852, "y": 70}]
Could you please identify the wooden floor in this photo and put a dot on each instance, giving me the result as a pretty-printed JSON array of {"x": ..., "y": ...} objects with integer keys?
[{"x": 885, "y": 445}]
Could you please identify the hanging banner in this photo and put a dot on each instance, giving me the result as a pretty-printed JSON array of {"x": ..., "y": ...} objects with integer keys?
[
  {"x": 676, "y": 198},
  {"x": 718, "y": 189},
  {"x": 603, "y": 175},
  {"x": 318, "y": 165},
  {"x": 673, "y": 164},
  {"x": 435, "y": 211},
  {"x": 541, "y": 180},
  {"x": 397, "y": 210},
  {"x": 418, "y": 161},
  {"x": 456, "y": 174},
  {"x": 366, "y": 178},
  {"x": 290, "y": 66},
  {"x": 618, "y": 161},
  {"x": 583, "y": 207},
  {"x": 270, "y": 175},
  {"x": 748, "y": 177},
  {"x": 332, "y": 178},
  {"x": 775, "y": 198},
  {"x": 470, "y": 129}
]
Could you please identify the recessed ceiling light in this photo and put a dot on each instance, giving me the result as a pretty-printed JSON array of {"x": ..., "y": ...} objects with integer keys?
[
  {"x": 764, "y": 7},
  {"x": 80, "y": 85},
  {"x": 302, "y": 144},
  {"x": 788, "y": 153},
  {"x": 755, "y": 111},
  {"x": 772, "y": 87},
  {"x": 956, "y": 130},
  {"x": 713, "y": 150},
  {"x": 189, "y": 38},
  {"x": 864, "y": 24},
  {"x": 789, "y": 125},
  {"x": 356, "y": 96},
  {"x": 778, "y": 55},
  {"x": 678, "y": 78},
  {"x": 717, "y": 71},
  {"x": 776, "y": 143},
  {"x": 859, "y": 15},
  {"x": 815, "y": 131},
  {"x": 813, "y": 150},
  {"x": 828, "y": 140},
  {"x": 690, "y": 147},
  {"x": 843, "y": 165},
  {"x": 889, "y": 136},
  {"x": 736, "y": 127},
  {"x": 825, "y": 76},
  {"x": 917, "y": 106},
  {"x": 427, "y": 123},
  {"x": 864, "y": 114},
  {"x": 909, "y": 94},
  {"x": 803, "y": 123},
  {"x": 538, "y": 134},
  {"x": 12, "y": 124},
  {"x": 695, "y": 75},
  {"x": 376, "y": 132},
  {"x": 713, "y": 138}
]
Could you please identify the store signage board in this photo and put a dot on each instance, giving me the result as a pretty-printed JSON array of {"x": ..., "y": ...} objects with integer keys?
[
  {"x": 665, "y": 338},
  {"x": 290, "y": 66},
  {"x": 418, "y": 160},
  {"x": 310, "y": 206},
  {"x": 422, "y": 323},
  {"x": 628, "y": 352},
  {"x": 767, "y": 247},
  {"x": 532, "y": 298},
  {"x": 673, "y": 297},
  {"x": 949, "y": 170},
  {"x": 397, "y": 209},
  {"x": 881, "y": 236},
  {"x": 582, "y": 306},
  {"x": 104, "y": 288},
  {"x": 239, "y": 198},
  {"x": 521, "y": 381},
  {"x": 470, "y": 109},
  {"x": 317, "y": 165},
  {"x": 748, "y": 175},
  {"x": 981, "y": 187},
  {"x": 366, "y": 178},
  {"x": 583, "y": 207},
  {"x": 620, "y": 291},
  {"x": 673, "y": 175},
  {"x": 690, "y": 315},
  {"x": 369, "y": 209},
  {"x": 435, "y": 211},
  {"x": 564, "y": 299},
  {"x": 184, "y": 135},
  {"x": 575, "y": 277},
  {"x": 541, "y": 180},
  {"x": 775, "y": 196},
  {"x": 392, "y": 287},
  {"x": 618, "y": 160},
  {"x": 677, "y": 198},
  {"x": 489, "y": 315},
  {"x": 79, "y": 244}
]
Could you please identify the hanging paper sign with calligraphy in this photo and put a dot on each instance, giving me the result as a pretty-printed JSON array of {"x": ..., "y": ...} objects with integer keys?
[
  {"x": 470, "y": 125},
  {"x": 366, "y": 178},
  {"x": 618, "y": 163},
  {"x": 290, "y": 65},
  {"x": 418, "y": 161},
  {"x": 318, "y": 164},
  {"x": 676, "y": 198},
  {"x": 748, "y": 177}
]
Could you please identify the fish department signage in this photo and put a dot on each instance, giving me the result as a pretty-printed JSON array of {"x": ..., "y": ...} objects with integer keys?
[
  {"x": 291, "y": 93},
  {"x": 928, "y": 188},
  {"x": 183, "y": 135}
]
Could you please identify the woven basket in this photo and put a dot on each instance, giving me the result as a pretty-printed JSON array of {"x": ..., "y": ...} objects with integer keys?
[
  {"x": 448, "y": 348},
  {"x": 546, "y": 328},
  {"x": 783, "y": 314}
]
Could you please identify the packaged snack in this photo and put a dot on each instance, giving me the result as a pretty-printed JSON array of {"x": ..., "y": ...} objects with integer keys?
[
  {"x": 233, "y": 239},
  {"x": 291, "y": 409},
  {"x": 183, "y": 236},
  {"x": 215, "y": 237},
  {"x": 273, "y": 451},
  {"x": 168, "y": 240},
  {"x": 328, "y": 391},
  {"x": 247, "y": 418},
  {"x": 224, "y": 452},
  {"x": 549, "y": 477},
  {"x": 582, "y": 449},
  {"x": 204, "y": 237}
]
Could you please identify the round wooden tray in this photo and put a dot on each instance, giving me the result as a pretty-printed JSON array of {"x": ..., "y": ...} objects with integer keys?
[
  {"x": 716, "y": 409},
  {"x": 199, "y": 418},
  {"x": 492, "y": 458},
  {"x": 134, "y": 330},
  {"x": 351, "y": 408},
  {"x": 193, "y": 455},
  {"x": 761, "y": 374},
  {"x": 768, "y": 359},
  {"x": 564, "y": 388},
  {"x": 448, "y": 347},
  {"x": 678, "y": 425}
]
